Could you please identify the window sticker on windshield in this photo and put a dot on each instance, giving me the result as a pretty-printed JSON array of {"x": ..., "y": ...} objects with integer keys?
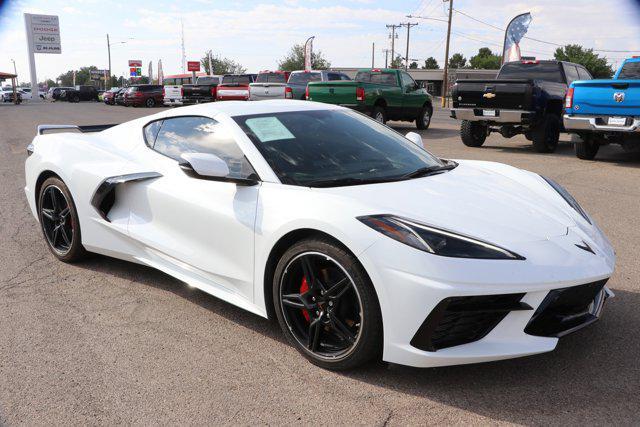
[{"x": 269, "y": 129}]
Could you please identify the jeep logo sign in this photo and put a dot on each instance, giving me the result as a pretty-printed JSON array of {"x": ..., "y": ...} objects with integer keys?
[{"x": 618, "y": 96}]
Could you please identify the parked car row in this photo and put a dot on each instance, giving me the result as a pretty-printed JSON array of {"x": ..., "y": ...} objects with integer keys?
[
  {"x": 541, "y": 99},
  {"x": 143, "y": 95}
]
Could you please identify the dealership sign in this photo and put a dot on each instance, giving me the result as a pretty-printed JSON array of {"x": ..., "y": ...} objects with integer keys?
[
  {"x": 135, "y": 63},
  {"x": 98, "y": 74},
  {"x": 43, "y": 33},
  {"x": 193, "y": 65}
]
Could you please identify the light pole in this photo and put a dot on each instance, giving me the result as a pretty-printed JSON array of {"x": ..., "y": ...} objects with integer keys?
[
  {"x": 109, "y": 54},
  {"x": 14, "y": 68}
]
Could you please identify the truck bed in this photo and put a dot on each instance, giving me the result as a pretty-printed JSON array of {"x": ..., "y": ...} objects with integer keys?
[{"x": 606, "y": 97}]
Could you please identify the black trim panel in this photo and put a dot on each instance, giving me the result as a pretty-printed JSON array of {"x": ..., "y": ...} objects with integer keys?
[{"x": 103, "y": 198}]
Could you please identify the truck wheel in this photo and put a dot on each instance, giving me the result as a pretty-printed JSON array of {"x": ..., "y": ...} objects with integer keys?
[
  {"x": 545, "y": 136},
  {"x": 587, "y": 148},
  {"x": 473, "y": 134},
  {"x": 379, "y": 115},
  {"x": 424, "y": 118},
  {"x": 76, "y": 98}
]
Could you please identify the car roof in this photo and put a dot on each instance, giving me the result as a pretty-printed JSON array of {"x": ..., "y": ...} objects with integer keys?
[{"x": 244, "y": 108}]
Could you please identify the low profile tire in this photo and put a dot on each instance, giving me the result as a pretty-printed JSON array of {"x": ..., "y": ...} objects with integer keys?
[
  {"x": 473, "y": 134},
  {"x": 424, "y": 118},
  {"x": 326, "y": 305},
  {"x": 59, "y": 221},
  {"x": 150, "y": 103},
  {"x": 587, "y": 148},
  {"x": 379, "y": 114},
  {"x": 545, "y": 136}
]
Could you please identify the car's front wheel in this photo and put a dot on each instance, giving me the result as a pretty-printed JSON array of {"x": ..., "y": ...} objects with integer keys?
[
  {"x": 59, "y": 221},
  {"x": 424, "y": 118},
  {"x": 326, "y": 305}
]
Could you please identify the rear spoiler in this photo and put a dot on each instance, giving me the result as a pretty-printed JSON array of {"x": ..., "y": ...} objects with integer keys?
[{"x": 84, "y": 129}]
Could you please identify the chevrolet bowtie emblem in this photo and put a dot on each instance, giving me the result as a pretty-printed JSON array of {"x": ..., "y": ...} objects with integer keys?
[{"x": 489, "y": 95}]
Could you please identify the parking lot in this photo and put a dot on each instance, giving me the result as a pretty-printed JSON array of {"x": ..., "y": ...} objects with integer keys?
[{"x": 109, "y": 342}]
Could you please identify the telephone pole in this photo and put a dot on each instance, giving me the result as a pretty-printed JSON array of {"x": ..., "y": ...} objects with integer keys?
[
  {"x": 393, "y": 40},
  {"x": 445, "y": 77},
  {"x": 408, "y": 25},
  {"x": 386, "y": 57},
  {"x": 373, "y": 55}
]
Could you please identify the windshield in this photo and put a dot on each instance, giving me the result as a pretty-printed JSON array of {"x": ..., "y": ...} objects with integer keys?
[
  {"x": 317, "y": 147},
  {"x": 305, "y": 77},
  {"x": 630, "y": 71},
  {"x": 271, "y": 78},
  {"x": 228, "y": 80},
  {"x": 549, "y": 72}
]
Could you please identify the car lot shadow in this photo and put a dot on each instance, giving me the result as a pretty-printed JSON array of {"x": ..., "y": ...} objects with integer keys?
[{"x": 591, "y": 371}]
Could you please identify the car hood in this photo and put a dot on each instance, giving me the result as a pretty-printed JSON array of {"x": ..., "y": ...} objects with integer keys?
[{"x": 489, "y": 201}]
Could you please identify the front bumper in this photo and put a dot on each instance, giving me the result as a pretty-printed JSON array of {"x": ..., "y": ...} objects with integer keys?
[
  {"x": 413, "y": 285},
  {"x": 501, "y": 116},
  {"x": 599, "y": 124}
]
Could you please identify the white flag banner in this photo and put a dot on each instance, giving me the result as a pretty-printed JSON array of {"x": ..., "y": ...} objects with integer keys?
[
  {"x": 151, "y": 72},
  {"x": 160, "y": 73},
  {"x": 308, "y": 52}
]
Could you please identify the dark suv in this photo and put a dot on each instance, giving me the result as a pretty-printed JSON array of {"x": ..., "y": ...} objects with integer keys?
[{"x": 144, "y": 95}]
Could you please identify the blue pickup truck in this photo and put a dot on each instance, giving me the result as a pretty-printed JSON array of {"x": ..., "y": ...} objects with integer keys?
[{"x": 605, "y": 111}]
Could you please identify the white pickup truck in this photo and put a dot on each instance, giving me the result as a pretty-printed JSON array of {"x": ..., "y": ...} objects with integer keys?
[{"x": 269, "y": 85}]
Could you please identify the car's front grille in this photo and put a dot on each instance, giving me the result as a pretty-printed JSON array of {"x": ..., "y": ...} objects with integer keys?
[
  {"x": 461, "y": 320},
  {"x": 566, "y": 310}
]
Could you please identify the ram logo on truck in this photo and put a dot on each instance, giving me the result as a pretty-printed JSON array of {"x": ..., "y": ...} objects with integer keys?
[{"x": 618, "y": 96}]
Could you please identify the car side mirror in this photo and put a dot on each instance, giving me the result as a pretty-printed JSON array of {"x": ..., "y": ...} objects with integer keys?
[
  {"x": 210, "y": 167},
  {"x": 415, "y": 138}
]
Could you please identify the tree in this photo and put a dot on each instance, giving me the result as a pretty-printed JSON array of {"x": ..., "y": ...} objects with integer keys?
[
  {"x": 397, "y": 62},
  {"x": 221, "y": 65},
  {"x": 457, "y": 61},
  {"x": 596, "y": 65},
  {"x": 49, "y": 83},
  {"x": 294, "y": 60},
  {"x": 413, "y": 65},
  {"x": 431, "y": 64},
  {"x": 485, "y": 60},
  {"x": 83, "y": 76}
]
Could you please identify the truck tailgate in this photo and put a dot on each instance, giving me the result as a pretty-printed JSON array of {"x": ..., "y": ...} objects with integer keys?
[
  {"x": 259, "y": 91},
  {"x": 607, "y": 97},
  {"x": 334, "y": 92},
  {"x": 494, "y": 94}
]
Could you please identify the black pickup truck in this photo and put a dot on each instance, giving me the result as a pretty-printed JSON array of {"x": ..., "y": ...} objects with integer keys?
[
  {"x": 80, "y": 93},
  {"x": 526, "y": 98},
  {"x": 204, "y": 90}
]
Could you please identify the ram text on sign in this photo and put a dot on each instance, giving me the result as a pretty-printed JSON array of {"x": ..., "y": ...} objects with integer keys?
[{"x": 45, "y": 33}]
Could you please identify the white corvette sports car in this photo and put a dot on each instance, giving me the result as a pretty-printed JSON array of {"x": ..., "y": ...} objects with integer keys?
[{"x": 361, "y": 243}]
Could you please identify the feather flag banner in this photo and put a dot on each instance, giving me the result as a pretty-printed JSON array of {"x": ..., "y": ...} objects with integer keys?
[{"x": 515, "y": 31}]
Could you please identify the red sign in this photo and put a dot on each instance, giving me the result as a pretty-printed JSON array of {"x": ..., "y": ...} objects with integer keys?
[
  {"x": 193, "y": 65},
  {"x": 132, "y": 69},
  {"x": 135, "y": 63}
]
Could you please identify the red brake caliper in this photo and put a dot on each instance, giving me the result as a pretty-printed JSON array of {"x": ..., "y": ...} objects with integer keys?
[{"x": 304, "y": 287}]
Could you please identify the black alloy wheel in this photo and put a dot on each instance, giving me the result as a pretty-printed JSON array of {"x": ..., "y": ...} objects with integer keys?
[
  {"x": 59, "y": 221},
  {"x": 326, "y": 307},
  {"x": 150, "y": 102}
]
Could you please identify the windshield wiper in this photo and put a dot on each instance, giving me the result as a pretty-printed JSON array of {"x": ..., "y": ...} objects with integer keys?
[
  {"x": 430, "y": 170},
  {"x": 343, "y": 182}
]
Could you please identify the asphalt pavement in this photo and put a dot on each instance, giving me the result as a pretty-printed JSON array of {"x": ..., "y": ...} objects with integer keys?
[{"x": 108, "y": 342}]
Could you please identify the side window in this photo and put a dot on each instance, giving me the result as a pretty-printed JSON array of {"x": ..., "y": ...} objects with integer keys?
[
  {"x": 344, "y": 77},
  {"x": 151, "y": 132},
  {"x": 333, "y": 76},
  {"x": 202, "y": 135},
  {"x": 584, "y": 74},
  {"x": 571, "y": 72},
  {"x": 407, "y": 80}
]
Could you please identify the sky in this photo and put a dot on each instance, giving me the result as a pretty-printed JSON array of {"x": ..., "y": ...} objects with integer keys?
[{"x": 259, "y": 33}]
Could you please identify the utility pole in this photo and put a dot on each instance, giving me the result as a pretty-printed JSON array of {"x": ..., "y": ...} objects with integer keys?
[
  {"x": 386, "y": 57},
  {"x": 373, "y": 55},
  {"x": 109, "y": 53},
  {"x": 184, "y": 57},
  {"x": 445, "y": 77},
  {"x": 393, "y": 40},
  {"x": 408, "y": 25}
]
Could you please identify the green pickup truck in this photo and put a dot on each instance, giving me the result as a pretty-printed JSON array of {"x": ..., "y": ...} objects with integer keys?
[{"x": 384, "y": 94}]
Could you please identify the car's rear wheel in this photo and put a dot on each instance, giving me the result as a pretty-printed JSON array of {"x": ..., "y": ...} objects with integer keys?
[
  {"x": 59, "y": 221},
  {"x": 473, "y": 134},
  {"x": 379, "y": 114},
  {"x": 326, "y": 305},
  {"x": 424, "y": 118},
  {"x": 545, "y": 136},
  {"x": 587, "y": 147},
  {"x": 150, "y": 103}
]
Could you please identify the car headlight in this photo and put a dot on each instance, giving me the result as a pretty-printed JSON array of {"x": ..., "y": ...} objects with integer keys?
[
  {"x": 435, "y": 240},
  {"x": 567, "y": 197}
]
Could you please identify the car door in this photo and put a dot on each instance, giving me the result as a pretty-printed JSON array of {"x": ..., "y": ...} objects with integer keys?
[
  {"x": 203, "y": 228},
  {"x": 413, "y": 95}
]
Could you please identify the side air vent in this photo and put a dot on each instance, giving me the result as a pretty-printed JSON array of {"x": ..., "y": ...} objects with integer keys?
[{"x": 105, "y": 195}]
